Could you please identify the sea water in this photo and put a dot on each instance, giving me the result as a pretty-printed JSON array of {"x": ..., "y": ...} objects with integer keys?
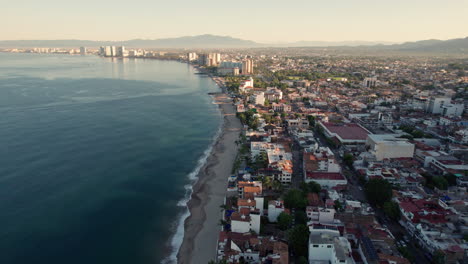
[{"x": 98, "y": 155}]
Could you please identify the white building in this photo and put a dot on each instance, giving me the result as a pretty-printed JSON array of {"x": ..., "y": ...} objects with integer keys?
[
  {"x": 326, "y": 246},
  {"x": 389, "y": 146},
  {"x": 241, "y": 223},
  {"x": 319, "y": 160},
  {"x": 453, "y": 110},
  {"x": 192, "y": 56},
  {"x": 247, "y": 66},
  {"x": 108, "y": 51},
  {"x": 211, "y": 59},
  {"x": 369, "y": 82},
  {"x": 246, "y": 84},
  {"x": 113, "y": 51},
  {"x": 436, "y": 104},
  {"x": 275, "y": 208},
  {"x": 258, "y": 98},
  {"x": 273, "y": 94},
  {"x": 320, "y": 215}
]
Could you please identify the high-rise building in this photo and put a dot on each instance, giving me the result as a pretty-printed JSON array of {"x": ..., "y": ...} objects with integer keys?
[
  {"x": 120, "y": 51},
  {"x": 108, "y": 51},
  {"x": 113, "y": 51},
  {"x": 102, "y": 51},
  {"x": 192, "y": 56},
  {"x": 369, "y": 82},
  {"x": 247, "y": 66},
  {"x": 211, "y": 59},
  {"x": 436, "y": 104},
  {"x": 83, "y": 50}
]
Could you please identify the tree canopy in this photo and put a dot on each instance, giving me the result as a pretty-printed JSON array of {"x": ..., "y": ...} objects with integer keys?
[
  {"x": 298, "y": 238},
  {"x": 295, "y": 198},
  {"x": 378, "y": 191},
  {"x": 284, "y": 220}
]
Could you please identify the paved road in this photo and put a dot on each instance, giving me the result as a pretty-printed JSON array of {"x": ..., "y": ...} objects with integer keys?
[{"x": 297, "y": 176}]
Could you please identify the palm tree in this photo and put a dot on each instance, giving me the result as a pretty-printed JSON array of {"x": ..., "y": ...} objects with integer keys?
[
  {"x": 223, "y": 207},
  {"x": 277, "y": 185}
]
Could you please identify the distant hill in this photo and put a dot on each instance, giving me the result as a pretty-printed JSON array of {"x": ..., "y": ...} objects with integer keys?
[
  {"x": 459, "y": 45},
  {"x": 334, "y": 43},
  {"x": 452, "y": 46},
  {"x": 201, "y": 41}
]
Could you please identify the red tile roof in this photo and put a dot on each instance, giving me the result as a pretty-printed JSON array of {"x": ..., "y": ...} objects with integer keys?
[{"x": 347, "y": 131}]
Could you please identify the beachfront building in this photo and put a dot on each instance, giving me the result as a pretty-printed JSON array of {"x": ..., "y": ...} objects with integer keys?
[
  {"x": 210, "y": 59},
  {"x": 246, "y": 85},
  {"x": 257, "y": 98},
  {"x": 192, "y": 56},
  {"x": 249, "y": 190},
  {"x": 251, "y": 204},
  {"x": 245, "y": 221},
  {"x": 279, "y": 160},
  {"x": 251, "y": 248}
]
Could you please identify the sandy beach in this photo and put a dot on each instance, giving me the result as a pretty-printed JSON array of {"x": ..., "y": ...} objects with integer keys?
[{"x": 202, "y": 226}]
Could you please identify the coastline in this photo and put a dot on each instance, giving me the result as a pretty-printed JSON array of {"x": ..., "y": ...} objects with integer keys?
[{"x": 201, "y": 227}]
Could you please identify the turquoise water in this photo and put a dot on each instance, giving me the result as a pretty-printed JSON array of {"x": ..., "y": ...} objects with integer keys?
[{"x": 95, "y": 155}]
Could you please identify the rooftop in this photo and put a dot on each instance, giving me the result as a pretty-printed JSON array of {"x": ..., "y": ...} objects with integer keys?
[{"x": 347, "y": 131}]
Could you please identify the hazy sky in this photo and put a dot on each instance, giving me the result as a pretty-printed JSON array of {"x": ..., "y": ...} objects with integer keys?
[{"x": 258, "y": 20}]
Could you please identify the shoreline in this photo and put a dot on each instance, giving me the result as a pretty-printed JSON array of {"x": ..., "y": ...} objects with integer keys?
[{"x": 201, "y": 227}]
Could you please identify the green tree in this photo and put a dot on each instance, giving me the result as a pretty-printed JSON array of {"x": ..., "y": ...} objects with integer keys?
[
  {"x": 378, "y": 191},
  {"x": 440, "y": 182},
  {"x": 284, "y": 220},
  {"x": 298, "y": 238},
  {"x": 314, "y": 187},
  {"x": 294, "y": 198},
  {"x": 348, "y": 159},
  {"x": 311, "y": 120},
  {"x": 303, "y": 260},
  {"x": 392, "y": 210},
  {"x": 337, "y": 205},
  {"x": 300, "y": 218},
  {"x": 310, "y": 187},
  {"x": 438, "y": 257}
]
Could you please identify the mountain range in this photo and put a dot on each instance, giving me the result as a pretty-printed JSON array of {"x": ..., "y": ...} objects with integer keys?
[{"x": 459, "y": 45}]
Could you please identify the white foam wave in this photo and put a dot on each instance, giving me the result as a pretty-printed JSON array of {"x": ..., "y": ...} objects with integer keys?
[{"x": 178, "y": 236}]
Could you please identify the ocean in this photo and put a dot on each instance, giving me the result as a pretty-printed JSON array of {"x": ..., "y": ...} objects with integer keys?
[{"x": 98, "y": 155}]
